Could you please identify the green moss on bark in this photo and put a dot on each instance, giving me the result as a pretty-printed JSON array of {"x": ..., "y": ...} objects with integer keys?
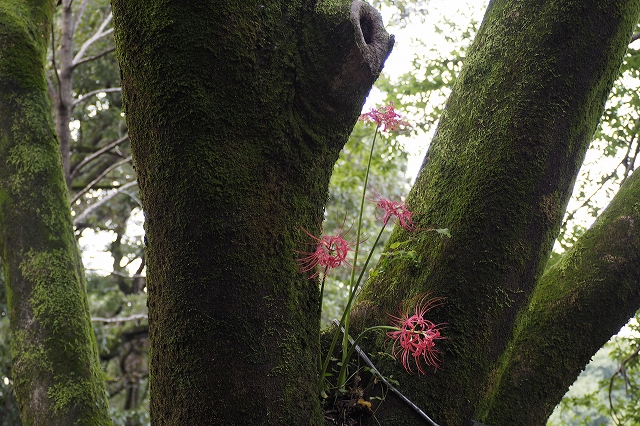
[
  {"x": 577, "y": 306},
  {"x": 57, "y": 376},
  {"x": 236, "y": 113},
  {"x": 498, "y": 174}
]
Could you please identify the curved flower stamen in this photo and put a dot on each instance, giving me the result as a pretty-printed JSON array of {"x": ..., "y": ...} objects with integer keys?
[
  {"x": 416, "y": 336},
  {"x": 397, "y": 209},
  {"x": 385, "y": 117},
  {"x": 331, "y": 252}
]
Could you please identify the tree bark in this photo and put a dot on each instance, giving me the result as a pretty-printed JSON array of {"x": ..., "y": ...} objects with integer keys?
[
  {"x": 62, "y": 97},
  {"x": 57, "y": 376},
  {"x": 237, "y": 112},
  {"x": 575, "y": 309},
  {"x": 499, "y": 174}
]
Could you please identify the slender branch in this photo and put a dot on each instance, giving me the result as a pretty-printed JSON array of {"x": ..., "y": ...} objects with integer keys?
[
  {"x": 99, "y": 55},
  {"x": 95, "y": 37},
  {"x": 588, "y": 199},
  {"x": 622, "y": 371},
  {"x": 366, "y": 359},
  {"x": 55, "y": 66},
  {"x": 80, "y": 12},
  {"x": 629, "y": 159},
  {"x": 627, "y": 162},
  {"x": 134, "y": 198},
  {"x": 99, "y": 178},
  {"x": 96, "y": 154},
  {"x": 86, "y": 96},
  {"x": 82, "y": 216},
  {"x": 120, "y": 319}
]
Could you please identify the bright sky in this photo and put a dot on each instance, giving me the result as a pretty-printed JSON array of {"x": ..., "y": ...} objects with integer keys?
[{"x": 406, "y": 47}]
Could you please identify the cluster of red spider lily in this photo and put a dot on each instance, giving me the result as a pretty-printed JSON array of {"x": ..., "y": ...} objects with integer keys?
[
  {"x": 399, "y": 210},
  {"x": 385, "y": 117},
  {"x": 331, "y": 250},
  {"x": 416, "y": 336}
]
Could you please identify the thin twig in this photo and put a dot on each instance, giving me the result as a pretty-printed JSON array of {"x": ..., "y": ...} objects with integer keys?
[
  {"x": 622, "y": 372},
  {"x": 53, "y": 63},
  {"x": 86, "y": 96},
  {"x": 96, "y": 154},
  {"x": 99, "y": 178},
  {"x": 629, "y": 159},
  {"x": 120, "y": 319},
  {"x": 94, "y": 57},
  {"x": 588, "y": 199},
  {"x": 366, "y": 359},
  {"x": 77, "y": 220}
]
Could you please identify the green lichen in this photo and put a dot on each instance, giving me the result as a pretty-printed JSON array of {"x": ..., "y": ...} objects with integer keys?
[{"x": 333, "y": 8}]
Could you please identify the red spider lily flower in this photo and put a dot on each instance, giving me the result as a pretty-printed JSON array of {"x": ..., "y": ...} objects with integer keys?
[
  {"x": 385, "y": 117},
  {"x": 330, "y": 252},
  {"x": 397, "y": 209},
  {"x": 416, "y": 336}
]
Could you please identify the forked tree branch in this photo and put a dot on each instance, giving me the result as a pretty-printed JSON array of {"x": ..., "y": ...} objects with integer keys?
[
  {"x": 79, "y": 58},
  {"x": 86, "y": 96},
  {"x": 82, "y": 216},
  {"x": 94, "y": 57},
  {"x": 99, "y": 178},
  {"x": 96, "y": 154}
]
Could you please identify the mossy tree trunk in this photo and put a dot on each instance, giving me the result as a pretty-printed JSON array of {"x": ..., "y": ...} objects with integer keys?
[
  {"x": 499, "y": 174},
  {"x": 57, "y": 376},
  {"x": 237, "y": 112}
]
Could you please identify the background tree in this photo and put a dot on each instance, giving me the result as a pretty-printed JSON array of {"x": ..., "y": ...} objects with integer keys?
[{"x": 83, "y": 83}]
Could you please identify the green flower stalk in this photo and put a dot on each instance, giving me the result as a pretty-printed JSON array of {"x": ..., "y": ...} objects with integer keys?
[{"x": 331, "y": 251}]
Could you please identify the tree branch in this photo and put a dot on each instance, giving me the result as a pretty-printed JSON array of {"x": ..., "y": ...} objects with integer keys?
[
  {"x": 133, "y": 317},
  {"x": 137, "y": 275},
  {"x": 77, "y": 220},
  {"x": 577, "y": 306},
  {"x": 98, "y": 179},
  {"x": 91, "y": 58},
  {"x": 79, "y": 58},
  {"x": 86, "y": 96},
  {"x": 96, "y": 154}
]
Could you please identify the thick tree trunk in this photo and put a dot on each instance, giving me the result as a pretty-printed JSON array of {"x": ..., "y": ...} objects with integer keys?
[
  {"x": 499, "y": 173},
  {"x": 57, "y": 377},
  {"x": 237, "y": 112},
  {"x": 577, "y": 306}
]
